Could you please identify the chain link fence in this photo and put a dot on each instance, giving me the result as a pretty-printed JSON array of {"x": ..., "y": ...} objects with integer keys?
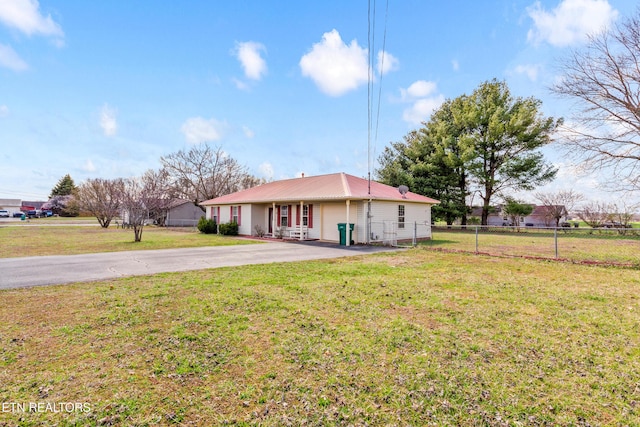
[
  {"x": 613, "y": 246},
  {"x": 182, "y": 223}
]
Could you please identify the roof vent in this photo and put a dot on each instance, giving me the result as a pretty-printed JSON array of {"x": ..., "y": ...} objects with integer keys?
[{"x": 403, "y": 189}]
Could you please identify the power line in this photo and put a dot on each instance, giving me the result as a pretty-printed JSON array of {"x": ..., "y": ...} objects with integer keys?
[
  {"x": 371, "y": 30},
  {"x": 384, "y": 54},
  {"x": 22, "y": 193}
]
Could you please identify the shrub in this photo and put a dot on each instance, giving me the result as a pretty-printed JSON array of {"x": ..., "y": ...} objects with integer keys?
[
  {"x": 259, "y": 230},
  {"x": 229, "y": 229},
  {"x": 207, "y": 226}
]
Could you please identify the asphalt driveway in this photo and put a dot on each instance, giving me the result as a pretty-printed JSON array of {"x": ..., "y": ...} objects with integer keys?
[{"x": 60, "y": 269}]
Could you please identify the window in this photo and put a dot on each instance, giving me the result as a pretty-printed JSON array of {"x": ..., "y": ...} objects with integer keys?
[
  {"x": 306, "y": 213},
  {"x": 400, "y": 216},
  {"x": 215, "y": 214},
  {"x": 284, "y": 215},
  {"x": 234, "y": 215}
]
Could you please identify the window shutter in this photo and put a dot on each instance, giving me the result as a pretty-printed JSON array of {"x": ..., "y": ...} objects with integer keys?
[
  {"x": 298, "y": 215},
  {"x": 218, "y": 214},
  {"x": 278, "y": 216},
  {"x": 239, "y": 216},
  {"x": 289, "y": 217},
  {"x": 230, "y": 213},
  {"x": 310, "y": 218}
]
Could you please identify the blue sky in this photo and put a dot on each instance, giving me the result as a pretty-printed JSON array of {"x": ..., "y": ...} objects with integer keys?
[{"x": 105, "y": 88}]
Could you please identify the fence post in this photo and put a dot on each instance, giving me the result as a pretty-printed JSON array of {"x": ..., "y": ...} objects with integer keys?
[
  {"x": 415, "y": 233},
  {"x": 476, "y": 239},
  {"x": 555, "y": 238}
]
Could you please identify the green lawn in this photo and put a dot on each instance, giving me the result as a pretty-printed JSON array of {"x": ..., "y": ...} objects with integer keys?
[
  {"x": 411, "y": 338},
  {"x": 17, "y": 241}
]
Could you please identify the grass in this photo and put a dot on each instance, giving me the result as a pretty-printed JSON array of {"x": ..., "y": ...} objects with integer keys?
[
  {"x": 605, "y": 246},
  {"x": 17, "y": 241},
  {"x": 411, "y": 338}
]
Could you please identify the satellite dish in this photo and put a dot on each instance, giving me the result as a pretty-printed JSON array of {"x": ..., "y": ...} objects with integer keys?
[{"x": 403, "y": 189}]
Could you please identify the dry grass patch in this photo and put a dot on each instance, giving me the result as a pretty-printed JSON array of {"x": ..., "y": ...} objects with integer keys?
[
  {"x": 417, "y": 338},
  {"x": 606, "y": 246}
]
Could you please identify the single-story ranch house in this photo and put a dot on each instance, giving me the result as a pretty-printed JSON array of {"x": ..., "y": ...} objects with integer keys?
[
  {"x": 540, "y": 217},
  {"x": 313, "y": 207}
]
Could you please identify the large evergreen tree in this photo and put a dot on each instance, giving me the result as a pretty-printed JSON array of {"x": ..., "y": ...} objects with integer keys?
[
  {"x": 505, "y": 133},
  {"x": 431, "y": 161},
  {"x": 485, "y": 142},
  {"x": 64, "y": 187}
]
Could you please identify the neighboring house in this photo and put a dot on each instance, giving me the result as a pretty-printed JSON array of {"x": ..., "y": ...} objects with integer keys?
[
  {"x": 29, "y": 206},
  {"x": 538, "y": 218},
  {"x": 11, "y": 205},
  {"x": 183, "y": 213},
  {"x": 312, "y": 207}
]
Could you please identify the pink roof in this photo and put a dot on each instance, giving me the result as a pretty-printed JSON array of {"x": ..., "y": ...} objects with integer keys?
[{"x": 335, "y": 186}]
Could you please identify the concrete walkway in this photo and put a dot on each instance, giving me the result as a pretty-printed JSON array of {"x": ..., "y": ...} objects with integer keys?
[{"x": 59, "y": 269}]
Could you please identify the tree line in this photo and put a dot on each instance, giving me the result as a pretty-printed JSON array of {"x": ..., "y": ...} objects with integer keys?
[
  {"x": 201, "y": 173},
  {"x": 487, "y": 144}
]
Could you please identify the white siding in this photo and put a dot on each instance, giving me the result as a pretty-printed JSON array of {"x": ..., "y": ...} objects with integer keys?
[
  {"x": 312, "y": 232},
  {"x": 245, "y": 227},
  {"x": 327, "y": 216},
  {"x": 413, "y": 212},
  {"x": 334, "y": 213}
]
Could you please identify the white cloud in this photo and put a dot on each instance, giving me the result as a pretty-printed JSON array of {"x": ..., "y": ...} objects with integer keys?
[
  {"x": 197, "y": 130},
  {"x": 248, "y": 53},
  {"x": 424, "y": 98},
  {"x": 88, "y": 166},
  {"x": 336, "y": 68},
  {"x": 531, "y": 71},
  {"x": 418, "y": 89},
  {"x": 108, "y": 121},
  {"x": 10, "y": 59},
  {"x": 455, "y": 64},
  {"x": 570, "y": 22},
  {"x": 266, "y": 169},
  {"x": 4, "y": 111},
  {"x": 248, "y": 132},
  {"x": 422, "y": 109},
  {"x": 387, "y": 62},
  {"x": 240, "y": 84},
  {"x": 25, "y": 16}
]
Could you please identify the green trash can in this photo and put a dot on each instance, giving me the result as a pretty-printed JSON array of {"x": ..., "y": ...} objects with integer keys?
[
  {"x": 342, "y": 228},
  {"x": 23, "y": 217}
]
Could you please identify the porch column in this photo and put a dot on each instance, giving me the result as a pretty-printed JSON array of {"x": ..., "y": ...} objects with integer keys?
[
  {"x": 348, "y": 240},
  {"x": 273, "y": 220},
  {"x": 301, "y": 219}
]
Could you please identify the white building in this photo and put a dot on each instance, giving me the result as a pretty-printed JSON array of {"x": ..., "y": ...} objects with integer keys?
[{"x": 313, "y": 207}]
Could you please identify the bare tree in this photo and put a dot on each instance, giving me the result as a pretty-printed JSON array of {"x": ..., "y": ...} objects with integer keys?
[
  {"x": 622, "y": 214},
  {"x": 101, "y": 197},
  {"x": 595, "y": 214},
  {"x": 203, "y": 173},
  {"x": 604, "y": 79},
  {"x": 134, "y": 211},
  {"x": 558, "y": 205},
  {"x": 139, "y": 197},
  {"x": 158, "y": 194}
]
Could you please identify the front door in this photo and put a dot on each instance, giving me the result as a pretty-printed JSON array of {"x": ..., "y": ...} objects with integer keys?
[{"x": 271, "y": 221}]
